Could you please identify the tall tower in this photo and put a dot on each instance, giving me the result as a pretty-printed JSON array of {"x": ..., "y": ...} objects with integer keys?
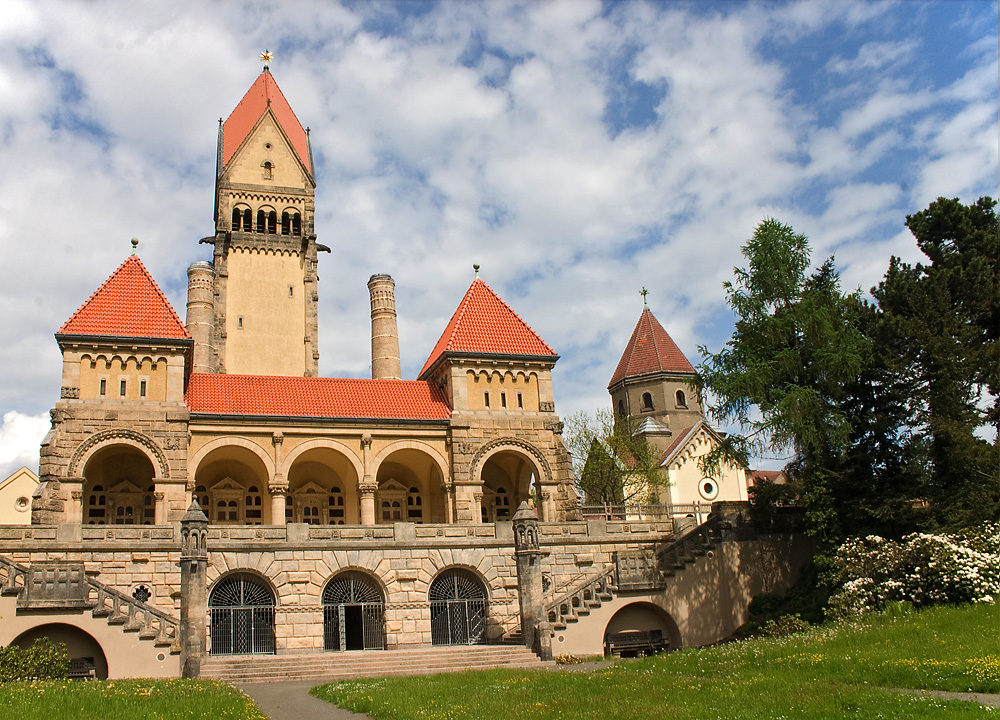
[
  {"x": 265, "y": 294},
  {"x": 385, "y": 338}
]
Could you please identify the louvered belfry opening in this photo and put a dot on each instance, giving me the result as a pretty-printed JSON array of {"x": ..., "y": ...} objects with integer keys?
[
  {"x": 353, "y": 613},
  {"x": 241, "y": 616},
  {"x": 458, "y": 608}
]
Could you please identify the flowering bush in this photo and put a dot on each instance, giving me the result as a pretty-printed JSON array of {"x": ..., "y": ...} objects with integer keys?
[{"x": 921, "y": 569}]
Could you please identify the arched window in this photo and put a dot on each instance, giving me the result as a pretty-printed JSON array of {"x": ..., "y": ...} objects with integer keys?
[
  {"x": 268, "y": 170},
  {"x": 502, "y": 503},
  {"x": 261, "y": 221},
  {"x": 241, "y": 612},
  {"x": 254, "y": 504},
  {"x": 336, "y": 509},
  {"x": 296, "y": 224},
  {"x": 97, "y": 506},
  {"x": 237, "y": 219},
  {"x": 272, "y": 222},
  {"x": 148, "y": 507},
  {"x": 681, "y": 398},
  {"x": 353, "y": 613},
  {"x": 458, "y": 608},
  {"x": 247, "y": 225},
  {"x": 201, "y": 495},
  {"x": 647, "y": 401},
  {"x": 286, "y": 224},
  {"x": 414, "y": 506}
]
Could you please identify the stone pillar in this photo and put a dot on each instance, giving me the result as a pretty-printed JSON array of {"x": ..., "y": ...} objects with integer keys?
[
  {"x": 73, "y": 509},
  {"x": 448, "y": 490},
  {"x": 528, "y": 555},
  {"x": 159, "y": 507},
  {"x": 279, "y": 502},
  {"x": 385, "y": 338},
  {"x": 201, "y": 315},
  {"x": 368, "y": 485},
  {"x": 194, "y": 590}
]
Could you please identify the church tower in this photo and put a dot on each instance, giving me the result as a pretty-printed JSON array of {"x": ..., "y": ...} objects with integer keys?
[{"x": 264, "y": 271}]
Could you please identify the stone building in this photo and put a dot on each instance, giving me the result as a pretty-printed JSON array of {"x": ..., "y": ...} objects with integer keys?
[{"x": 339, "y": 513}]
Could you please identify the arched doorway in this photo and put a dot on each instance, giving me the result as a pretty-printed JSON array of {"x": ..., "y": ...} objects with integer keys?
[
  {"x": 353, "y": 613},
  {"x": 458, "y": 608},
  {"x": 118, "y": 487},
  {"x": 508, "y": 478},
  {"x": 241, "y": 616},
  {"x": 86, "y": 656},
  {"x": 640, "y": 628}
]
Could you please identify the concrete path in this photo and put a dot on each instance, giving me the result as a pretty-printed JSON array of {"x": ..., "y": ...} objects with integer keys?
[{"x": 292, "y": 701}]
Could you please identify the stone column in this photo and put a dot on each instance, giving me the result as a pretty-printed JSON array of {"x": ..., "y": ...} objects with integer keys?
[
  {"x": 194, "y": 590},
  {"x": 528, "y": 555},
  {"x": 73, "y": 509},
  {"x": 368, "y": 485},
  {"x": 448, "y": 490},
  {"x": 159, "y": 507},
  {"x": 279, "y": 502}
]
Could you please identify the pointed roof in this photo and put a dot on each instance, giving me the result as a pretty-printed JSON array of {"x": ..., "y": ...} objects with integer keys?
[
  {"x": 128, "y": 304},
  {"x": 650, "y": 351},
  {"x": 264, "y": 93},
  {"x": 315, "y": 397},
  {"x": 484, "y": 324}
]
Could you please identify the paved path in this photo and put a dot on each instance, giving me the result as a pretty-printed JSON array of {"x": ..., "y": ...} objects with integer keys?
[{"x": 292, "y": 701}]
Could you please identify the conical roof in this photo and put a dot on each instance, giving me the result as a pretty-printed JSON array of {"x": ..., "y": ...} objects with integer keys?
[
  {"x": 485, "y": 324},
  {"x": 128, "y": 304},
  {"x": 264, "y": 93},
  {"x": 650, "y": 351}
]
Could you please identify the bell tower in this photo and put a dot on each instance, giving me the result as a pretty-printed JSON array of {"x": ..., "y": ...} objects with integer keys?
[{"x": 265, "y": 260}]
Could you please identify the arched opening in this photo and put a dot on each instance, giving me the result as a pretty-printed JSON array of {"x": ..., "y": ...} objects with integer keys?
[
  {"x": 237, "y": 219},
  {"x": 680, "y": 398},
  {"x": 296, "y": 224},
  {"x": 86, "y": 657},
  {"x": 118, "y": 487},
  {"x": 322, "y": 489},
  {"x": 231, "y": 484},
  {"x": 272, "y": 222},
  {"x": 409, "y": 488},
  {"x": 640, "y": 628},
  {"x": 241, "y": 616},
  {"x": 647, "y": 401},
  {"x": 268, "y": 170},
  {"x": 353, "y": 613},
  {"x": 261, "y": 221},
  {"x": 458, "y": 608},
  {"x": 508, "y": 478},
  {"x": 286, "y": 223}
]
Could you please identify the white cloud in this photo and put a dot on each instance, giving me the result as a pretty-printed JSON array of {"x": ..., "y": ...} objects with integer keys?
[{"x": 20, "y": 437}]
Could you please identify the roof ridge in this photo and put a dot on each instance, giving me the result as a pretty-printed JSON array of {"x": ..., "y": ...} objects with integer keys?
[{"x": 640, "y": 360}]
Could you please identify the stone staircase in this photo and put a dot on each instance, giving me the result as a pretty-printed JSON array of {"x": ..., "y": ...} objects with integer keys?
[
  {"x": 602, "y": 586},
  {"x": 55, "y": 587},
  {"x": 336, "y": 666}
]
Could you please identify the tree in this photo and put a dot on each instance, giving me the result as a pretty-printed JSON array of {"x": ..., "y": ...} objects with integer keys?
[
  {"x": 943, "y": 321},
  {"x": 781, "y": 378},
  {"x": 614, "y": 465}
]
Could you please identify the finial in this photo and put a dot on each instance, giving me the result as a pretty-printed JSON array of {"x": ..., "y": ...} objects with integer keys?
[
  {"x": 644, "y": 292},
  {"x": 475, "y": 266},
  {"x": 266, "y": 57},
  {"x": 135, "y": 244}
]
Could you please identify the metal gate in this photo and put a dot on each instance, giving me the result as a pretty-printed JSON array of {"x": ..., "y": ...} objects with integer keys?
[
  {"x": 241, "y": 617},
  {"x": 458, "y": 609},
  {"x": 353, "y": 613}
]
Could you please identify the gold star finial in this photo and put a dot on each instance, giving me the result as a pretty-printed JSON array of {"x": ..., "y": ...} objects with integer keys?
[
  {"x": 266, "y": 57},
  {"x": 644, "y": 292}
]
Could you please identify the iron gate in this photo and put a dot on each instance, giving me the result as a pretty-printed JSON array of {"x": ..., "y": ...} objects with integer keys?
[
  {"x": 458, "y": 609},
  {"x": 241, "y": 617},
  {"x": 353, "y": 613}
]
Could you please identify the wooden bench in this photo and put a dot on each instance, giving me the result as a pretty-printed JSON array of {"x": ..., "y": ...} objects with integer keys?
[
  {"x": 636, "y": 642},
  {"x": 81, "y": 669}
]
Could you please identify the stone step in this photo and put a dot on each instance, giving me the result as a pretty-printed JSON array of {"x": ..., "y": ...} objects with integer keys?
[{"x": 356, "y": 664}]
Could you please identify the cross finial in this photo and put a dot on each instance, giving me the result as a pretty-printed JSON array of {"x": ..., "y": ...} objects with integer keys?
[
  {"x": 644, "y": 292},
  {"x": 135, "y": 244},
  {"x": 266, "y": 57},
  {"x": 475, "y": 266}
]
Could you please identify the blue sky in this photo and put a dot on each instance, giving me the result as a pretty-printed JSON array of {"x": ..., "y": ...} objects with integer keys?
[{"x": 577, "y": 151}]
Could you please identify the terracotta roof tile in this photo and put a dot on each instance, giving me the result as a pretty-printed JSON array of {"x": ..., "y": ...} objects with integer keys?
[
  {"x": 269, "y": 395},
  {"x": 483, "y": 323},
  {"x": 650, "y": 351},
  {"x": 241, "y": 121},
  {"x": 128, "y": 304}
]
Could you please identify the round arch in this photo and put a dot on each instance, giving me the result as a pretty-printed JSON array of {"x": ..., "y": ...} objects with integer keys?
[
  {"x": 459, "y": 600},
  {"x": 504, "y": 468},
  {"x": 218, "y": 443},
  {"x": 119, "y": 436},
  {"x": 354, "y": 611},
  {"x": 640, "y": 628},
  {"x": 322, "y": 477},
  {"x": 230, "y": 478},
  {"x": 87, "y": 658},
  {"x": 410, "y": 477},
  {"x": 425, "y": 448},
  {"x": 515, "y": 445},
  {"x": 241, "y": 607},
  {"x": 327, "y": 443}
]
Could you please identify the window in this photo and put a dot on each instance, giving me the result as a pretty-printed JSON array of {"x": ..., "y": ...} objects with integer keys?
[
  {"x": 247, "y": 224},
  {"x": 680, "y": 398},
  {"x": 261, "y": 221},
  {"x": 286, "y": 224},
  {"x": 520, "y": 401},
  {"x": 503, "y": 400},
  {"x": 104, "y": 387},
  {"x": 237, "y": 218},
  {"x": 291, "y": 291},
  {"x": 268, "y": 167},
  {"x": 486, "y": 398},
  {"x": 296, "y": 224},
  {"x": 239, "y": 323},
  {"x": 647, "y": 401},
  {"x": 272, "y": 222},
  {"x": 122, "y": 393},
  {"x": 142, "y": 388},
  {"x": 336, "y": 510},
  {"x": 414, "y": 506}
]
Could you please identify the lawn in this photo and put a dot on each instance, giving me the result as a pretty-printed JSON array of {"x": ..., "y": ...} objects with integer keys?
[
  {"x": 124, "y": 700},
  {"x": 842, "y": 671}
]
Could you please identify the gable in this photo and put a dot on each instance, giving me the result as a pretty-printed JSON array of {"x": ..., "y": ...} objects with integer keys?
[{"x": 264, "y": 143}]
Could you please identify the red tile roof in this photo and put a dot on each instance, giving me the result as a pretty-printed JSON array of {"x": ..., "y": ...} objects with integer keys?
[
  {"x": 268, "y": 395},
  {"x": 128, "y": 304},
  {"x": 650, "y": 351},
  {"x": 263, "y": 93},
  {"x": 485, "y": 324}
]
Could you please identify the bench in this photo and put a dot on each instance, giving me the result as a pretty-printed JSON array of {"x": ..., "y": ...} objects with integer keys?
[
  {"x": 81, "y": 669},
  {"x": 634, "y": 643}
]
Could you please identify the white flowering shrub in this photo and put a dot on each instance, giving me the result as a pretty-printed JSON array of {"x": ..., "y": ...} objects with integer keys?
[{"x": 920, "y": 569}]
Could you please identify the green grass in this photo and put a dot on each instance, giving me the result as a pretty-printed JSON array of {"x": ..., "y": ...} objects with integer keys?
[
  {"x": 124, "y": 700},
  {"x": 836, "y": 671}
]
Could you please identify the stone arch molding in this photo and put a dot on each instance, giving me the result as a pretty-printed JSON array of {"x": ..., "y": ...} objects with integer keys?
[
  {"x": 208, "y": 447},
  {"x": 428, "y": 450},
  {"x": 510, "y": 443},
  {"x": 328, "y": 444},
  {"x": 119, "y": 436}
]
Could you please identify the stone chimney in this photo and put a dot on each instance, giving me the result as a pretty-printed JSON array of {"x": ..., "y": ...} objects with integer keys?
[
  {"x": 201, "y": 315},
  {"x": 385, "y": 338}
]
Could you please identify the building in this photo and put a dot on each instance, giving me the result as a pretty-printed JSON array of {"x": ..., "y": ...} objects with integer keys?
[
  {"x": 203, "y": 491},
  {"x": 15, "y": 497}
]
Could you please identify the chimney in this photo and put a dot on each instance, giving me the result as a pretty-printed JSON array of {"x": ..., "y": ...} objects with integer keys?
[
  {"x": 201, "y": 314},
  {"x": 385, "y": 339}
]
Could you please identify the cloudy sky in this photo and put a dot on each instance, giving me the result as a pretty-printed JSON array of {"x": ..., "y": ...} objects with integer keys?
[{"x": 578, "y": 151}]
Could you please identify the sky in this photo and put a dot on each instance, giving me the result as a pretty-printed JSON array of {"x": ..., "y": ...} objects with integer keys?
[{"x": 577, "y": 151}]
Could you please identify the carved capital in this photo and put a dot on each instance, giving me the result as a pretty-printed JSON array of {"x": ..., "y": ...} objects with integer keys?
[
  {"x": 69, "y": 393},
  {"x": 159, "y": 496},
  {"x": 366, "y": 440},
  {"x": 277, "y": 438},
  {"x": 77, "y": 495}
]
